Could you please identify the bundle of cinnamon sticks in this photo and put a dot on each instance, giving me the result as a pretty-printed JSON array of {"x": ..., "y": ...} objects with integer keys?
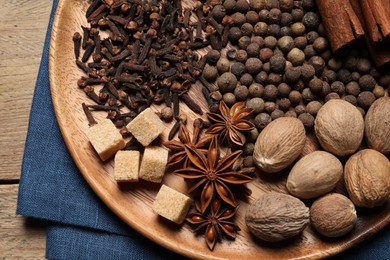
[{"x": 346, "y": 21}]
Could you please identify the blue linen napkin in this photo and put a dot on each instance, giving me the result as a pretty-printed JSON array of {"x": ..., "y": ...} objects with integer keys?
[{"x": 80, "y": 225}]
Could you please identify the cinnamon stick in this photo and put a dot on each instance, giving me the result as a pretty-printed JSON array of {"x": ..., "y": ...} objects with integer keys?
[
  {"x": 377, "y": 18},
  {"x": 340, "y": 21}
]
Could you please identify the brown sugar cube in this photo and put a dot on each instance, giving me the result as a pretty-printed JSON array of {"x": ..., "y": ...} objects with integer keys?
[
  {"x": 126, "y": 166},
  {"x": 171, "y": 204},
  {"x": 153, "y": 164},
  {"x": 146, "y": 127},
  {"x": 105, "y": 138}
]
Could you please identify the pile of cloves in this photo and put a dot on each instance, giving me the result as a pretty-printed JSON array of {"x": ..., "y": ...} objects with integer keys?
[{"x": 142, "y": 52}]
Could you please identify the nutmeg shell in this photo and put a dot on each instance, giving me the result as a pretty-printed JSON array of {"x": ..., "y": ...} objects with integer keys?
[
  {"x": 279, "y": 144},
  {"x": 367, "y": 178},
  {"x": 339, "y": 127},
  {"x": 377, "y": 125}
]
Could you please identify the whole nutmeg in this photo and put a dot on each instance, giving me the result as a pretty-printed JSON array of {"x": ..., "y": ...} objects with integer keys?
[
  {"x": 275, "y": 217},
  {"x": 314, "y": 175},
  {"x": 333, "y": 215},
  {"x": 339, "y": 127},
  {"x": 367, "y": 178},
  {"x": 377, "y": 125},
  {"x": 279, "y": 144}
]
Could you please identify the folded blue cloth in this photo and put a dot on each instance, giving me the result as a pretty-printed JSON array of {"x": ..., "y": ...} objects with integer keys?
[{"x": 80, "y": 224}]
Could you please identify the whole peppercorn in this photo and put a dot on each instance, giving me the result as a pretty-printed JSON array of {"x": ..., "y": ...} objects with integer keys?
[
  {"x": 270, "y": 92},
  {"x": 258, "y": 40},
  {"x": 229, "y": 5},
  {"x": 247, "y": 30},
  {"x": 253, "y": 50},
  {"x": 213, "y": 56},
  {"x": 355, "y": 76},
  {"x": 291, "y": 113},
  {"x": 223, "y": 65},
  {"x": 218, "y": 12},
  {"x": 312, "y": 107},
  {"x": 265, "y": 54},
  {"x": 274, "y": 78},
  {"x": 238, "y": 19},
  {"x": 329, "y": 76},
  {"x": 256, "y": 90},
  {"x": 325, "y": 89},
  {"x": 270, "y": 42},
  {"x": 246, "y": 79},
  {"x": 284, "y": 89},
  {"x": 274, "y": 15},
  {"x": 307, "y": 120},
  {"x": 307, "y": 72},
  {"x": 350, "y": 62},
  {"x": 338, "y": 87},
  {"x": 210, "y": 73},
  {"x": 277, "y": 64},
  {"x": 334, "y": 64},
  {"x": 300, "y": 42},
  {"x": 312, "y": 36},
  {"x": 227, "y": 82},
  {"x": 262, "y": 77},
  {"x": 320, "y": 44},
  {"x": 367, "y": 82},
  {"x": 379, "y": 91},
  {"x": 307, "y": 95},
  {"x": 253, "y": 134},
  {"x": 248, "y": 148},
  {"x": 365, "y": 99},
  {"x": 237, "y": 69},
  {"x": 260, "y": 29},
  {"x": 344, "y": 76},
  {"x": 256, "y": 5},
  {"x": 311, "y": 21},
  {"x": 262, "y": 120},
  {"x": 286, "y": 5},
  {"x": 257, "y": 104},
  {"x": 318, "y": 63},
  {"x": 284, "y": 104},
  {"x": 277, "y": 113},
  {"x": 252, "y": 17},
  {"x": 241, "y": 93},
  {"x": 298, "y": 29},
  {"x": 351, "y": 99},
  {"x": 242, "y": 6},
  {"x": 244, "y": 41},
  {"x": 285, "y": 44},
  {"x": 269, "y": 107},
  {"x": 286, "y": 19},
  {"x": 264, "y": 15},
  {"x": 352, "y": 88},
  {"x": 229, "y": 99},
  {"x": 296, "y": 57},
  {"x": 274, "y": 30},
  {"x": 241, "y": 56},
  {"x": 285, "y": 31},
  {"x": 308, "y": 5},
  {"x": 234, "y": 34},
  {"x": 331, "y": 96},
  {"x": 166, "y": 114},
  {"x": 309, "y": 51},
  {"x": 253, "y": 65},
  {"x": 315, "y": 85},
  {"x": 292, "y": 75},
  {"x": 363, "y": 66},
  {"x": 297, "y": 14},
  {"x": 299, "y": 109}
]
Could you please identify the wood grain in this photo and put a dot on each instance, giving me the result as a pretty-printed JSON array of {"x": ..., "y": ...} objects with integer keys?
[
  {"x": 21, "y": 238},
  {"x": 23, "y": 26},
  {"x": 133, "y": 203}
]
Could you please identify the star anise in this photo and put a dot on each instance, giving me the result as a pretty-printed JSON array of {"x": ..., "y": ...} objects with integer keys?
[
  {"x": 213, "y": 173},
  {"x": 230, "y": 124},
  {"x": 216, "y": 223},
  {"x": 177, "y": 148}
]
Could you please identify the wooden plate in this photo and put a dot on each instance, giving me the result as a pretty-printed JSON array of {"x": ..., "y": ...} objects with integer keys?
[{"x": 133, "y": 203}]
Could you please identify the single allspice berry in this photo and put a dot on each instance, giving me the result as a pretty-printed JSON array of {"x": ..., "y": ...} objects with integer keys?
[
  {"x": 295, "y": 97},
  {"x": 270, "y": 92},
  {"x": 256, "y": 90},
  {"x": 241, "y": 93},
  {"x": 352, "y": 88},
  {"x": 365, "y": 99},
  {"x": 367, "y": 82},
  {"x": 253, "y": 65},
  {"x": 300, "y": 109},
  {"x": 210, "y": 73},
  {"x": 257, "y": 104},
  {"x": 227, "y": 82},
  {"x": 338, "y": 87},
  {"x": 312, "y": 107},
  {"x": 315, "y": 85},
  {"x": 237, "y": 68},
  {"x": 262, "y": 120},
  {"x": 229, "y": 99},
  {"x": 307, "y": 72}
]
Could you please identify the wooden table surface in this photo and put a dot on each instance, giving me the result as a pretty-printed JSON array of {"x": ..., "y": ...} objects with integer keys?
[{"x": 23, "y": 27}]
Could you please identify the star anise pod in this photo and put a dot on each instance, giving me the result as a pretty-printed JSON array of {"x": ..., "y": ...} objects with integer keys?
[
  {"x": 216, "y": 223},
  {"x": 213, "y": 173},
  {"x": 230, "y": 124},
  {"x": 177, "y": 148}
]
